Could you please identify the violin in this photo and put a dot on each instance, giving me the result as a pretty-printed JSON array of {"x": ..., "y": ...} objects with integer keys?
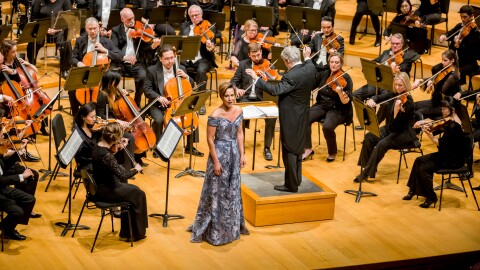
[
  {"x": 331, "y": 42},
  {"x": 336, "y": 79},
  {"x": 203, "y": 30},
  {"x": 410, "y": 19},
  {"x": 439, "y": 124},
  {"x": 264, "y": 70},
  {"x": 267, "y": 42},
  {"x": 397, "y": 59},
  {"x": 100, "y": 123},
  {"x": 438, "y": 78},
  {"x": 142, "y": 31},
  {"x": 464, "y": 33}
]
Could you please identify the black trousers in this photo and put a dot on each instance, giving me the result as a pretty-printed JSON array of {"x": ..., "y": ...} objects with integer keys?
[
  {"x": 427, "y": 110},
  {"x": 333, "y": 118},
  {"x": 367, "y": 91},
  {"x": 432, "y": 18},
  {"x": 201, "y": 67},
  {"x": 139, "y": 73},
  {"x": 18, "y": 205},
  {"x": 362, "y": 9},
  {"x": 293, "y": 168},
  {"x": 420, "y": 181}
]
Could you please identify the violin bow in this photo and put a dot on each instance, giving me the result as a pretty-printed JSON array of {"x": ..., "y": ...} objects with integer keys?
[
  {"x": 323, "y": 86},
  {"x": 317, "y": 52},
  {"x": 16, "y": 150},
  {"x": 130, "y": 157},
  {"x": 393, "y": 56},
  {"x": 140, "y": 41},
  {"x": 459, "y": 30},
  {"x": 296, "y": 34}
]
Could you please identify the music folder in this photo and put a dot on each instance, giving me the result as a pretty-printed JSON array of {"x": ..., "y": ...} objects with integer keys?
[
  {"x": 169, "y": 140},
  {"x": 69, "y": 149}
]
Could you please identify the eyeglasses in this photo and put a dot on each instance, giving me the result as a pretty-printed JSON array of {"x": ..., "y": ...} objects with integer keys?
[{"x": 252, "y": 30}]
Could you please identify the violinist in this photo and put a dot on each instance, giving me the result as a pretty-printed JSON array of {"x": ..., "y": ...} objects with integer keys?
[
  {"x": 429, "y": 12},
  {"x": 158, "y": 76},
  {"x": 333, "y": 104},
  {"x": 327, "y": 7},
  {"x": 452, "y": 151},
  {"x": 444, "y": 84},
  {"x": 243, "y": 82},
  {"x": 464, "y": 38},
  {"x": 240, "y": 52},
  {"x": 205, "y": 58},
  {"x": 133, "y": 51},
  {"x": 399, "y": 62},
  {"x": 397, "y": 132},
  {"x": 89, "y": 42},
  {"x": 404, "y": 16},
  {"x": 326, "y": 43}
]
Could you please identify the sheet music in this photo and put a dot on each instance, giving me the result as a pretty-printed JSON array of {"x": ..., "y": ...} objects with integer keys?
[
  {"x": 271, "y": 111},
  {"x": 70, "y": 148},
  {"x": 169, "y": 140},
  {"x": 252, "y": 112}
]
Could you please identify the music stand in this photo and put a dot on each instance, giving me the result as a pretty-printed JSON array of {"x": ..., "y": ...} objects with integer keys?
[
  {"x": 114, "y": 18},
  {"x": 191, "y": 104},
  {"x": 165, "y": 148},
  {"x": 381, "y": 76},
  {"x": 64, "y": 158},
  {"x": 83, "y": 15},
  {"x": 280, "y": 64},
  {"x": 304, "y": 17},
  {"x": 368, "y": 120},
  {"x": 32, "y": 32},
  {"x": 268, "y": 97},
  {"x": 172, "y": 15},
  {"x": 5, "y": 30},
  {"x": 187, "y": 47},
  {"x": 262, "y": 15}
]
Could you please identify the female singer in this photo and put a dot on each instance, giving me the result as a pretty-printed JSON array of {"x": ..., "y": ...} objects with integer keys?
[
  {"x": 447, "y": 83},
  {"x": 241, "y": 46},
  {"x": 111, "y": 179},
  {"x": 397, "y": 132},
  {"x": 405, "y": 16},
  {"x": 451, "y": 154},
  {"x": 219, "y": 218},
  {"x": 333, "y": 104}
]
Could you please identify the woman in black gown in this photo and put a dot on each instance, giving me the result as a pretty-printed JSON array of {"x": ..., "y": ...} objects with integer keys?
[{"x": 111, "y": 179}]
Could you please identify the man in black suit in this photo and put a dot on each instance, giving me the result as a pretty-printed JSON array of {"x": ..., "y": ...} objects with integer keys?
[
  {"x": 157, "y": 76},
  {"x": 242, "y": 81},
  {"x": 101, "y": 8},
  {"x": 327, "y": 7},
  {"x": 91, "y": 41},
  {"x": 133, "y": 56},
  {"x": 321, "y": 59},
  {"x": 293, "y": 104}
]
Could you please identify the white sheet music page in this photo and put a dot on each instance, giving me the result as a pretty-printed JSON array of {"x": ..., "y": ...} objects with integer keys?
[
  {"x": 169, "y": 140},
  {"x": 271, "y": 111},
  {"x": 252, "y": 112},
  {"x": 70, "y": 148}
]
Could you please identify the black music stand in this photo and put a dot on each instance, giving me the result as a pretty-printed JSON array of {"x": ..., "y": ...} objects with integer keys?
[
  {"x": 5, "y": 30},
  {"x": 64, "y": 158},
  {"x": 262, "y": 15},
  {"x": 368, "y": 120},
  {"x": 268, "y": 97},
  {"x": 32, "y": 32},
  {"x": 191, "y": 104},
  {"x": 172, "y": 15},
  {"x": 304, "y": 17},
  {"x": 280, "y": 64},
  {"x": 187, "y": 47},
  {"x": 165, "y": 148},
  {"x": 381, "y": 76},
  {"x": 114, "y": 18}
]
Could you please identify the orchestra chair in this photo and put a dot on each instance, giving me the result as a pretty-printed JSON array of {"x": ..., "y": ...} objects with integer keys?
[
  {"x": 219, "y": 19},
  {"x": 210, "y": 73},
  {"x": 1, "y": 219},
  {"x": 59, "y": 138},
  {"x": 107, "y": 208},
  {"x": 414, "y": 147},
  {"x": 463, "y": 173},
  {"x": 444, "y": 7},
  {"x": 417, "y": 40},
  {"x": 348, "y": 122}
]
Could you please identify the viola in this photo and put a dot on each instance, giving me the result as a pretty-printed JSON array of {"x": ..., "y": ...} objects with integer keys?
[
  {"x": 203, "y": 30},
  {"x": 142, "y": 31},
  {"x": 464, "y": 33},
  {"x": 267, "y": 42},
  {"x": 331, "y": 42},
  {"x": 438, "y": 78},
  {"x": 175, "y": 90},
  {"x": 263, "y": 69}
]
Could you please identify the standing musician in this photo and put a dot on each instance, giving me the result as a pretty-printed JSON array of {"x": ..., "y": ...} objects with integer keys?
[
  {"x": 404, "y": 16},
  {"x": 205, "y": 58},
  {"x": 326, "y": 43},
  {"x": 399, "y": 62},
  {"x": 333, "y": 104},
  {"x": 240, "y": 52},
  {"x": 44, "y": 9},
  {"x": 158, "y": 76},
  {"x": 293, "y": 104},
  {"x": 132, "y": 50},
  {"x": 465, "y": 40},
  {"x": 397, "y": 132},
  {"x": 327, "y": 7},
  {"x": 91, "y": 42},
  {"x": 362, "y": 9},
  {"x": 242, "y": 82}
]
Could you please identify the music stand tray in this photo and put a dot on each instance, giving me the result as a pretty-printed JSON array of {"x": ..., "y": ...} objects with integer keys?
[
  {"x": 114, "y": 18},
  {"x": 167, "y": 14},
  {"x": 379, "y": 75},
  {"x": 262, "y": 15},
  {"x": 82, "y": 77},
  {"x": 304, "y": 17},
  {"x": 187, "y": 47},
  {"x": 34, "y": 31},
  {"x": 5, "y": 30}
]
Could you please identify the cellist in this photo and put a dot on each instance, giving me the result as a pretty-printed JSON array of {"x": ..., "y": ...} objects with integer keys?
[
  {"x": 89, "y": 43},
  {"x": 157, "y": 77}
]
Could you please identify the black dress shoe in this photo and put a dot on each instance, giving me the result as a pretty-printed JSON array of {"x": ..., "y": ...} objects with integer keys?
[
  {"x": 15, "y": 235},
  {"x": 284, "y": 189},
  {"x": 194, "y": 152},
  {"x": 359, "y": 178},
  {"x": 30, "y": 157},
  {"x": 352, "y": 40},
  {"x": 267, "y": 154},
  {"x": 378, "y": 39},
  {"x": 35, "y": 215},
  {"x": 409, "y": 196},
  {"x": 329, "y": 159},
  {"x": 429, "y": 202},
  {"x": 476, "y": 188}
]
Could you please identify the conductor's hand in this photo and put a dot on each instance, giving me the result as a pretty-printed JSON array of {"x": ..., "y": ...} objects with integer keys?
[
  {"x": 217, "y": 168},
  {"x": 240, "y": 93},
  {"x": 99, "y": 47},
  {"x": 164, "y": 101},
  {"x": 252, "y": 73},
  {"x": 182, "y": 74},
  {"x": 307, "y": 52},
  {"x": 371, "y": 103}
]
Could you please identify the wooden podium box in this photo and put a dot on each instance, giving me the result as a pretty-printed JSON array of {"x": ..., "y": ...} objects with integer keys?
[{"x": 265, "y": 206}]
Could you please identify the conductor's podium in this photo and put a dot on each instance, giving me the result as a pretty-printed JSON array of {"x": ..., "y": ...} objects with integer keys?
[{"x": 265, "y": 206}]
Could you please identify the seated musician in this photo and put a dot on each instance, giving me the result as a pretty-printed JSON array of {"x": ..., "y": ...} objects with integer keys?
[
  {"x": 388, "y": 57},
  {"x": 111, "y": 179},
  {"x": 429, "y": 12},
  {"x": 333, "y": 104},
  {"x": 444, "y": 84},
  {"x": 85, "y": 44},
  {"x": 241, "y": 46},
  {"x": 327, "y": 7},
  {"x": 325, "y": 43},
  {"x": 48, "y": 9},
  {"x": 397, "y": 132},
  {"x": 133, "y": 51},
  {"x": 158, "y": 76},
  {"x": 464, "y": 39},
  {"x": 242, "y": 82},
  {"x": 404, "y": 16},
  {"x": 451, "y": 155}
]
